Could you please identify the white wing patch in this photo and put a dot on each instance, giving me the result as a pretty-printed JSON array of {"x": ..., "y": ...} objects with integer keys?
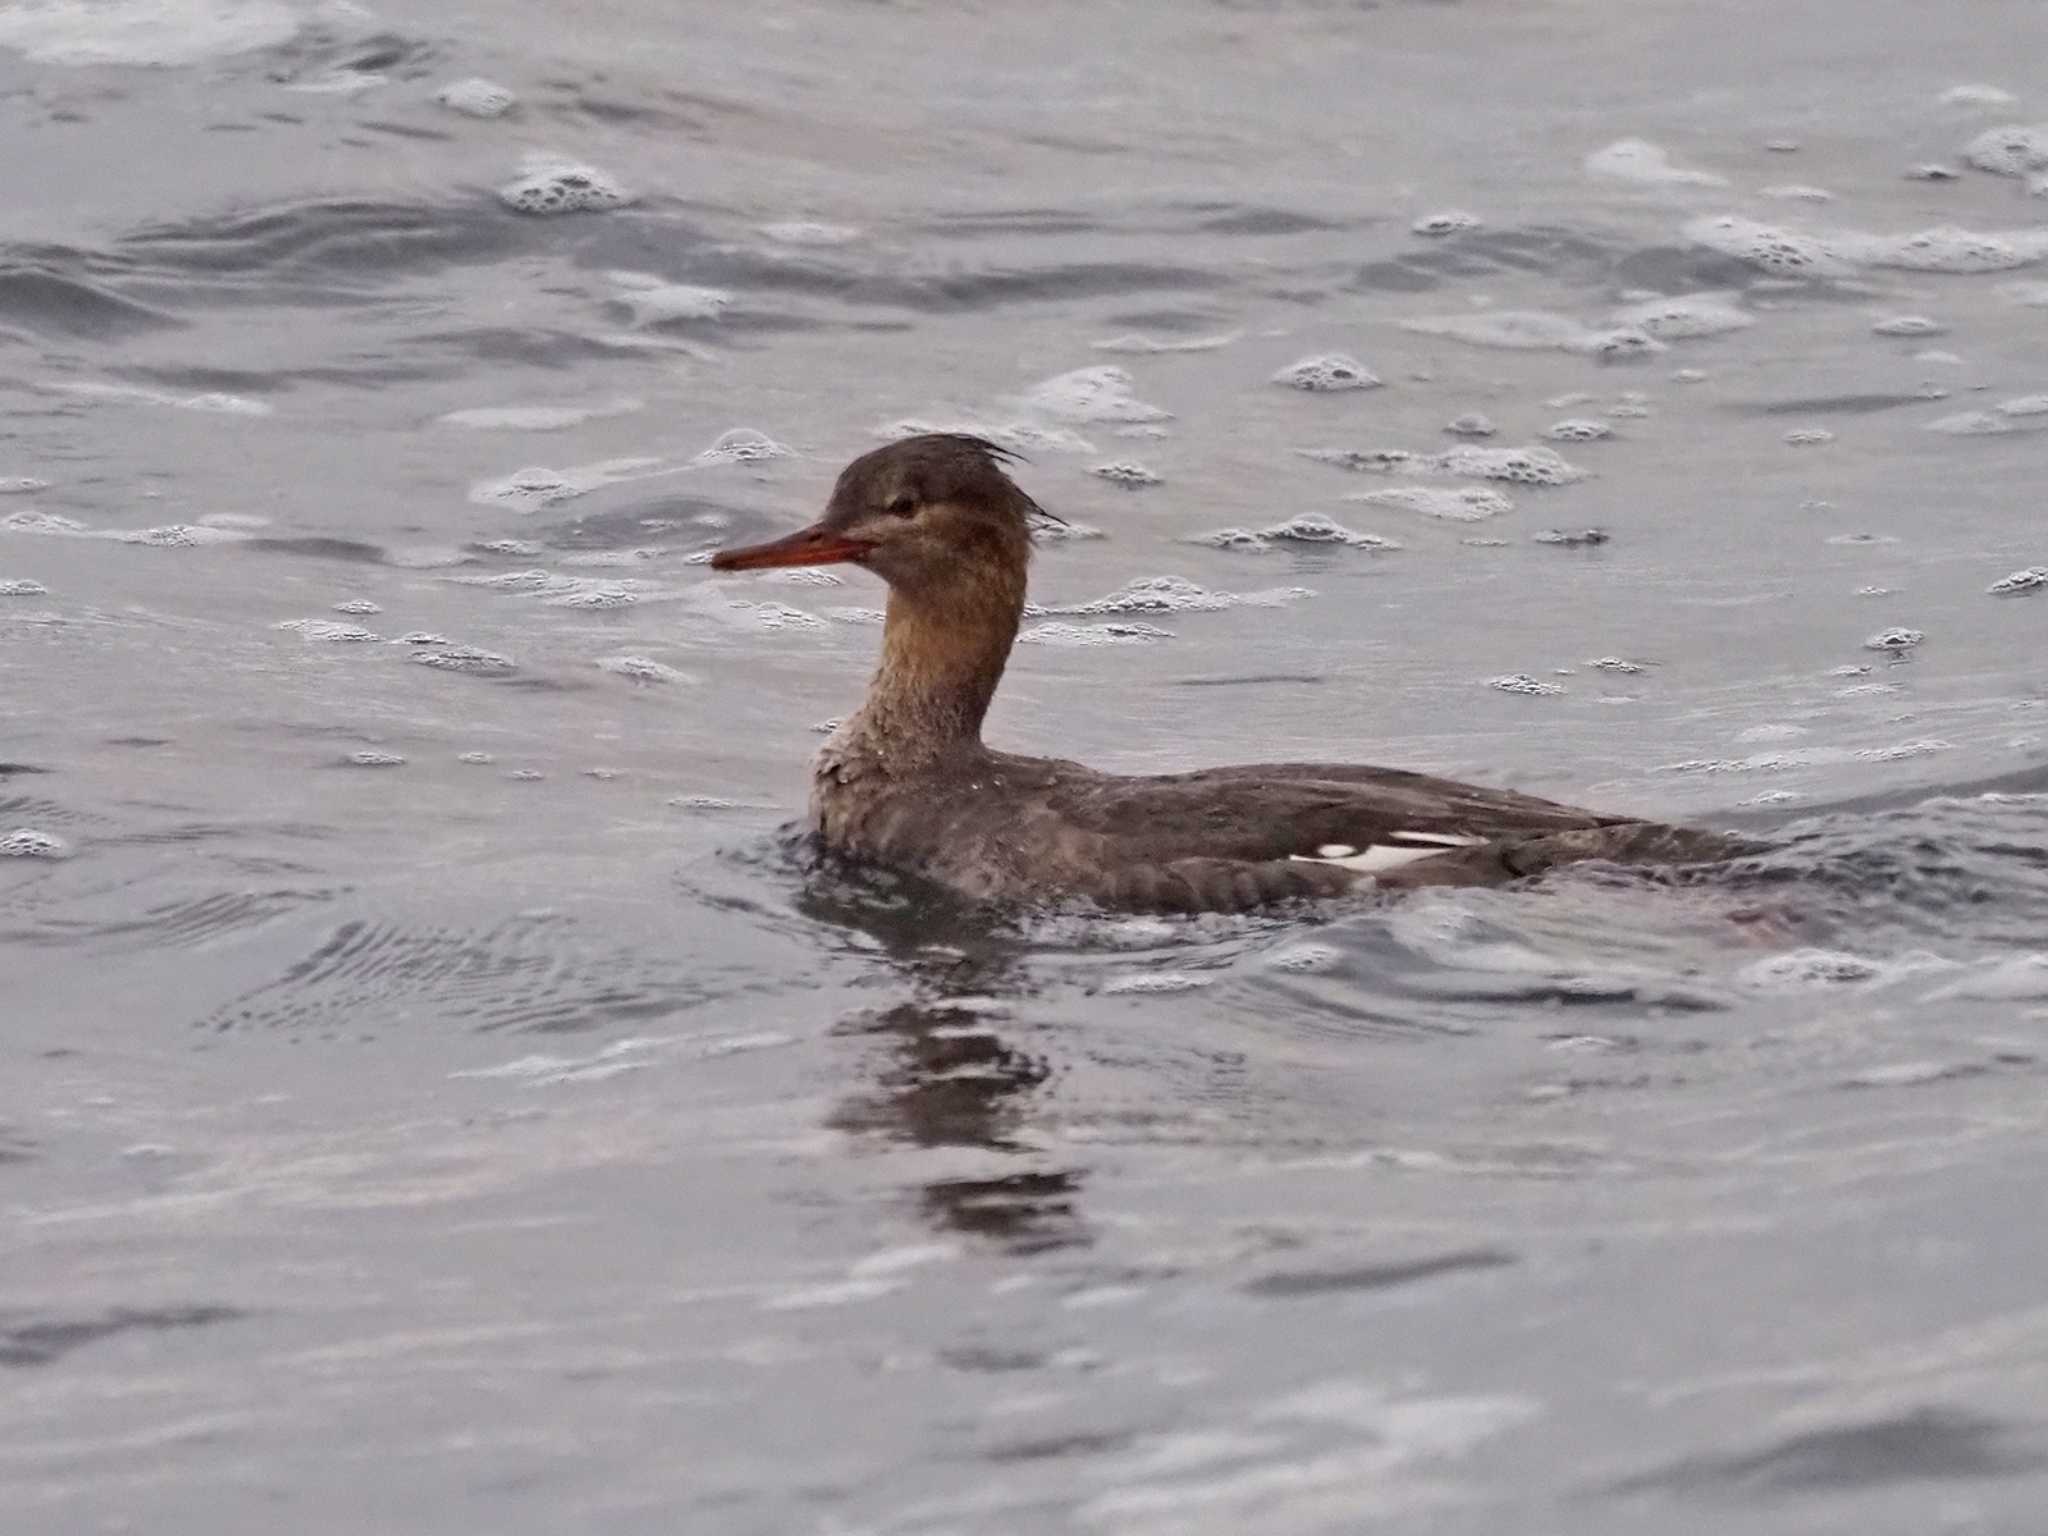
[{"x": 1400, "y": 848}]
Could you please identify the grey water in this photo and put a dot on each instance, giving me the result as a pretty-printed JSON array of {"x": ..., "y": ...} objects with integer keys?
[{"x": 436, "y": 1092}]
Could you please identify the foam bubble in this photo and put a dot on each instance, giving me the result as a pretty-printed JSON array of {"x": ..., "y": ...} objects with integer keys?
[
  {"x": 1809, "y": 437},
  {"x": 2023, "y": 405},
  {"x": 1129, "y": 632},
  {"x": 1973, "y": 424},
  {"x": 1908, "y": 325},
  {"x": 1684, "y": 317},
  {"x": 535, "y": 487},
  {"x": 170, "y": 536},
  {"x": 1518, "y": 330},
  {"x": 157, "y": 33},
  {"x": 1804, "y": 968},
  {"x": 212, "y": 402},
  {"x": 1175, "y": 594},
  {"x": 1977, "y": 95},
  {"x": 1796, "y": 192},
  {"x": 1575, "y": 538},
  {"x": 651, "y": 300},
  {"x": 2033, "y": 579},
  {"x": 28, "y": 843},
  {"x": 1577, "y": 430},
  {"x": 1102, "y": 393},
  {"x": 466, "y": 658},
  {"x": 1947, "y": 248},
  {"x": 1326, "y": 373},
  {"x": 1522, "y": 466},
  {"x": 327, "y": 629},
  {"x": 1451, "y": 221},
  {"x": 1143, "y": 346},
  {"x": 741, "y": 445},
  {"x": 21, "y": 485},
  {"x": 1458, "y": 504},
  {"x": 536, "y": 418},
  {"x": 477, "y": 97},
  {"x": 359, "y": 607},
  {"x": 775, "y": 615},
  {"x": 2014, "y": 149},
  {"x": 1896, "y": 638},
  {"x": 1132, "y": 477},
  {"x": 547, "y": 187},
  {"x": 1522, "y": 682},
  {"x": 22, "y": 587},
  {"x": 1640, "y": 161},
  {"x": 1021, "y": 436},
  {"x": 1471, "y": 424},
  {"x": 370, "y": 758},
  {"x": 595, "y": 598},
  {"x": 1776, "y": 251},
  {"x": 1618, "y": 664},
  {"x": 1932, "y": 170}
]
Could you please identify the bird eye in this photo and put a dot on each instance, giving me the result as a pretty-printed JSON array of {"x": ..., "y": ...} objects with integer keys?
[{"x": 902, "y": 504}]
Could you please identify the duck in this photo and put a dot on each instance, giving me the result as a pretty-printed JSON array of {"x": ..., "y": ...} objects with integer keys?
[{"x": 907, "y": 782}]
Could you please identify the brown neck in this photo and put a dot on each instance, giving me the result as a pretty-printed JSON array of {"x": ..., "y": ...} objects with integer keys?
[{"x": 943, "y": 653}]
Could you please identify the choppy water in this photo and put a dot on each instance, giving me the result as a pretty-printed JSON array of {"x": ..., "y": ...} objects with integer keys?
[{"x": 438, "y": 1099}]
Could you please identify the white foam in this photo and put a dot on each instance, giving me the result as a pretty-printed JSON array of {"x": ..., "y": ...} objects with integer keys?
[
  {"x": 1773, "y": 250},
  {"x": 477, "y": 97},
  {"x": 1577, "y": 430},
  {"x": 1809, "y": 437},
  {"x": 1796, "y": 192},
  {"x": 642, "y": 669},
  {"x": 1647, "y": 164},
  {"x": 1451, "y": 221},
  {"x": 1327, "y": 372},
  {"x": 530, "y": 489},
  {"x": 170, "y": 536},
  {"x": 651, "y": 300},
  {"x": 1021, "y": 436},
  {"x": 537, "y": 418},
  {"x": 144, "y": 32},
  {"x": 1471, "y": 424},
  {"x": 371, "y": 758},
  {"x": 28, "y": 843},
  {"x": 1144, "y": 346},
  {"x": 21, "y": 485},
  {"x": 1907, "y": 325},
  {"x": 1685, "y": 317},
  {"x": 1132, "y": 477},
  {"x": 1175, "y": 594},
  {"x": 1896, "y": 638},
  {"x": 1973, "y": 424},
  {"x": 327, "y": 629},
  {"x": 21, "y": 586},
  {"x": 2033, "y": 579},
  {"x": 1458, "y": 504},
  {"x": 1129, "y": 632},
  {"x": 213, "y": 401},
  {"x": 1102, "y": 393},
  {"x": 546, "y": 186},
  {"x": 465, "y": 658},
  {"x": 1523, "y": 683},
  {"x": 1528, "y": 465},
  {"x": 2016, "y": 149},
  {"x": 741, "y": 445},
  {"x": 1977, "y": 95},
  {"x": 1527, "y": 330}
]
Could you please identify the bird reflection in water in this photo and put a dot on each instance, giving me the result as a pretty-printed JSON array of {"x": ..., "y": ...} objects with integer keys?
[{"x": 944, "y": 1075}]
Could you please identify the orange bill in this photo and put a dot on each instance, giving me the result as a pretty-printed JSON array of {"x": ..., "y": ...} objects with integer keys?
[{"x": 815, "y": 545}]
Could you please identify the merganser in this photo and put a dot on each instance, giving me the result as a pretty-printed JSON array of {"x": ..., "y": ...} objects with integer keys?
[{"x": 907, "y": 782}]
